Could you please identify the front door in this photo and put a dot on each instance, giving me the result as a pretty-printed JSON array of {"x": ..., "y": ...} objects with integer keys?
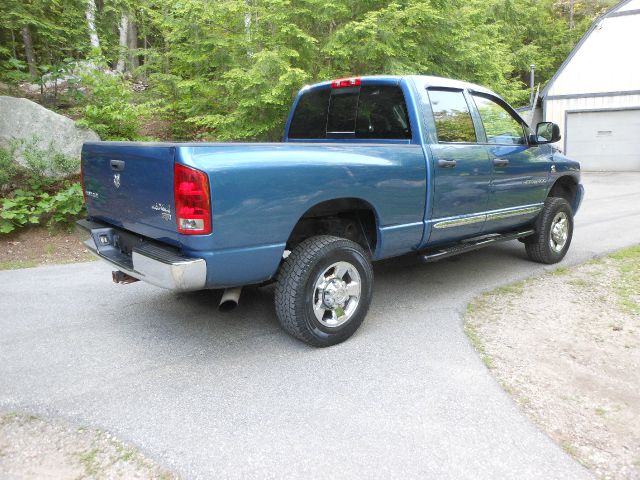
[
  {"x": 461, "y": 170},
  {"x": 520, "y": 171}
]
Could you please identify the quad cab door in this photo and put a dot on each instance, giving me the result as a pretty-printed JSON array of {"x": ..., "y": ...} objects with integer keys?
[
  {"x": 460, "y": 166},
  {"x": 520, "y": 170}
]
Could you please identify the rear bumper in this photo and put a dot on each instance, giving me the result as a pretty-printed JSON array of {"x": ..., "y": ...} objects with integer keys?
[{"x": 148, "y": 261}]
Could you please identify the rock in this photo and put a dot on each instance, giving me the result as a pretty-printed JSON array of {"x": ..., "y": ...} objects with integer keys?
[{"x": 23, "y": 119}]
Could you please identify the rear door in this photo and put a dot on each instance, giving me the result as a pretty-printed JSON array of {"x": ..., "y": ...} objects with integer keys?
[
  {"x": 520, "y": 170},
  {"x": 130, "y": 185},
  {"x": 461, "y": 169}
]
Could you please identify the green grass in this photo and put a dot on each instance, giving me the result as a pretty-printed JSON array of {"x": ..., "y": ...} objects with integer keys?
[
  {"x": 14, "y": 264},
  {"x": 559, "y": 271},
  {"x": 478, "y": 344},
  {"x": 628, "y": 288},
  {"x": 579, "y": 282},
  {"x": 90, "y": 461}
]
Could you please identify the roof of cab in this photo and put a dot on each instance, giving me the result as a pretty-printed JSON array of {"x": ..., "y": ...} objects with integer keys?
[{"x": 424, "y": 80}]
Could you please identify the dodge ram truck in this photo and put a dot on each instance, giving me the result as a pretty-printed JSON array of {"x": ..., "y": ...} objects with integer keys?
[{"x": 369, "y": 168}]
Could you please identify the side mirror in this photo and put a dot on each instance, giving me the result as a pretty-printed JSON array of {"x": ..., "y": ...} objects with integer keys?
[{"x": 546, "y": 132}]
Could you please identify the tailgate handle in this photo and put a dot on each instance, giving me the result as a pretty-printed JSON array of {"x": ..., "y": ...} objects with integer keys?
[{"x": 117, "y": 165}]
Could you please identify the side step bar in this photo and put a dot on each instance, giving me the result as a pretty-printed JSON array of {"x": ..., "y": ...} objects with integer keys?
[{"x": 439, "y": 253}]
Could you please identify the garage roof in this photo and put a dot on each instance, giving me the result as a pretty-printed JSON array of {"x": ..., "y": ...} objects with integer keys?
[{"x": 612, "y": 12}]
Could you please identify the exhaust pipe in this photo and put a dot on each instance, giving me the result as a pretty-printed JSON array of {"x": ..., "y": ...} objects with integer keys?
[
  {"x": 122, "y": 278},
  {"x": 230, "y": 299}
]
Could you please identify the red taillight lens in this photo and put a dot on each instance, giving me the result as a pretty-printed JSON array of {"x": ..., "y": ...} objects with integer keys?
[
  {"x": 346, "y": 82},
  {"x": 84, "y": 193},
  {"x": 191, "y": 199}
]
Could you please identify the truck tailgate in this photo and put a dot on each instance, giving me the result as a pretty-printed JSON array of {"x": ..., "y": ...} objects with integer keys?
[{"x": 130, "y": 185}]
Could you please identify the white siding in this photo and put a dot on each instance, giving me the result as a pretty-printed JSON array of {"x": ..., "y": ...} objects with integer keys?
[
  {"x": 555, "y": 109},
  {"x": 607, "y": 61},
  {"x": 633, "y": 5}
]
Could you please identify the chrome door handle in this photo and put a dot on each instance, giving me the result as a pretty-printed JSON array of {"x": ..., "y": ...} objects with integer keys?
[
  {"x": 500, "y": 162},
  {"x": 447, "y": 163}
]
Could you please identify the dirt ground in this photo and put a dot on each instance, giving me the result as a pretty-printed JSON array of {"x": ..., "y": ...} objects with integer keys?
[
  {"x": 566, "y": 346},
  {"x": 33, "y": 448},
  {"x": 31, "y": 247}
]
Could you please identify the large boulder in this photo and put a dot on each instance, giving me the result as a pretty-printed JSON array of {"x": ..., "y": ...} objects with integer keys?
[{"x": 22, "y": 119}]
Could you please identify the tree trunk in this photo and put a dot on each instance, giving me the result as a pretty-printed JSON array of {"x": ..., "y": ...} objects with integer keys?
[
  {"x": 132, "y": 45},
  {"x": 571, "y": 11},
  {"x": 91, "y": 23},
  {"x": 247, "y": 27},
  {"x": 123, "y": 29},
  {"x": 28, "y": 50}
]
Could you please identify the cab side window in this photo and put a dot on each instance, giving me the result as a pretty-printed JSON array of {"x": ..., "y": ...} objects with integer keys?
[
  {"x": 499, "y": 125},
  {"x": 452, "y": 116}
]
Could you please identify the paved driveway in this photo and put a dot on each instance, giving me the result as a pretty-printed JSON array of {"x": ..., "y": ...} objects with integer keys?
[{"x": 232, "y": 396}]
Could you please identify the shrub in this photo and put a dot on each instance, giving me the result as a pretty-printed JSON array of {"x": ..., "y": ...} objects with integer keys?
[
  {"x": 111, "y": 113},
  {"x": 32, "y": 207},
  {"x": 44, "y": 192},
  {"x": 8, "y": 167}
]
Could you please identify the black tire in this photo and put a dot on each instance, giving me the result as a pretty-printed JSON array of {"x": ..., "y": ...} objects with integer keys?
[
  {"x": 539, "y": 246},
  {"x": 296, "y": 289}
]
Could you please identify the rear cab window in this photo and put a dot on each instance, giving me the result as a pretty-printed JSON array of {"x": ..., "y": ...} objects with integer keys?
[{"x": 368, "y": 112}]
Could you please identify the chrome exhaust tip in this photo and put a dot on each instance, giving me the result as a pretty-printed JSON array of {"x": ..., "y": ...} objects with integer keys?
[{"x": 230, "y": 299}]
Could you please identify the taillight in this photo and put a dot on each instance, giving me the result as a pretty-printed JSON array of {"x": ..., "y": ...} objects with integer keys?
[
  {"x": 191, "y": 199},
  {"x": 84, "y": 193},
  {"x": 346, "y": 82}
]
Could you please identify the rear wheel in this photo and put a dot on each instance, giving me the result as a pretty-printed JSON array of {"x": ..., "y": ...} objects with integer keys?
[
  {"x": 553, "y": 232},
  {"x": 324, "y": 290}
]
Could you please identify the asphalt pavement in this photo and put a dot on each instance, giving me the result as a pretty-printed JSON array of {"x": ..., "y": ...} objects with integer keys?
[{"x": 215, "y": 395}]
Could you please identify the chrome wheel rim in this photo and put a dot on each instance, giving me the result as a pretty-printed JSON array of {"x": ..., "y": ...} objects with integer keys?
[
  {"x": 559, "y": 232},
  {"x": 336, "y": 294}
]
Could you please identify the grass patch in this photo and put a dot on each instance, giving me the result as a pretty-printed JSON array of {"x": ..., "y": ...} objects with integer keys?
[
  {"x": 579, "y": 282},
  {"x": 628, "y": 289},
  {"x": 478, "y": 344},
  {"x": 559, "y": 271},
  {"x": 14, "y": 264},
  {"x": 90, "y": 461}
]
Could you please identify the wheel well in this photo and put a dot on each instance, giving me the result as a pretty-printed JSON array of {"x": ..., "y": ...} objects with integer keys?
[
  {"x": 567, "y": 188},
  {"x": 349, "y": 218}
]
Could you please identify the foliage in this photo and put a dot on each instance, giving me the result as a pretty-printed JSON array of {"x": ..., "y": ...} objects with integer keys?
[
  {"x": 229, "y": 69},
  {"x": 8, "y": 167},
  {"x": 40, "y": 194},
  {"x": 25, "y": 207},
  {"x": 111, "y": 113}
]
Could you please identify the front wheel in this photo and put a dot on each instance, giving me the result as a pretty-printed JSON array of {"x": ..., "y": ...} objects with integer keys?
[
  {"x": 324, "y": 290},
  {"x": 553, "y": 232}
]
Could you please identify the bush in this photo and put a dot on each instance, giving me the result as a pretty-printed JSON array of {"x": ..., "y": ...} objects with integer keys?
[
  {"x": 32, "y": 207},
  {"x": 110, "y": 112},
  {"x": 43, "y": 162},
  {"x": 8, "y": 167},
  {"x": 42, "y": 191}
]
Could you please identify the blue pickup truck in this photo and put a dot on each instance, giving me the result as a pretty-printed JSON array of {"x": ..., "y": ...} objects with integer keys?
[{"x": 369, "y": 168}]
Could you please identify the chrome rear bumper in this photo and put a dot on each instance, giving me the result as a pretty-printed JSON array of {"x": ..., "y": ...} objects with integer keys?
[{"x": 150, "y": 262}]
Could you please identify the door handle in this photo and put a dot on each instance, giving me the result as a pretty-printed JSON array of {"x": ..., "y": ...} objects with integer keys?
[
  {"x": 117, "y": 165},
  {"x": 500, "y": 162},
  {"x": 447, "y": 163}
]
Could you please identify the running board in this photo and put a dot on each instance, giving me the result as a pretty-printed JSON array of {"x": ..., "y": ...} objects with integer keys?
[{"x": 470, "y": 245}]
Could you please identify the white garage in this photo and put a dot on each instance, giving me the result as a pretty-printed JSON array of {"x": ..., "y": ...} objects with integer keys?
[
  {"x": 604, "y": 139},
  {"x": 595, "y": 95}
]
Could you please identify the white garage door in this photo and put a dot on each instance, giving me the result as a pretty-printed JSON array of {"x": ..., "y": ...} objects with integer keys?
[{"x": 604, "y": 140}]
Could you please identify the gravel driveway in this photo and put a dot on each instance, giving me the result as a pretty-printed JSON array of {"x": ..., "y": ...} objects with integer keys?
[{"x": 231, "y": 396}]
